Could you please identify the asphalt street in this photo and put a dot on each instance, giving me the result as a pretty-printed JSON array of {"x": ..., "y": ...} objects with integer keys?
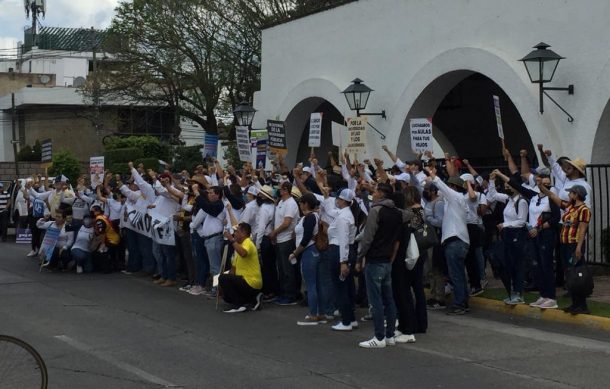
[{"x": 117, "y": 331}]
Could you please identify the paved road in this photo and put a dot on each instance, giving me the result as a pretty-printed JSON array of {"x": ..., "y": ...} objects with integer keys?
[{"x": 116, "y": 331}]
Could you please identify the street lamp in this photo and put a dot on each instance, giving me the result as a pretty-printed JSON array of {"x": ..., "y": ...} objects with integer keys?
[
  {"x": 541, "y": 65},
  {"x": 244, "y": 114},
  {"x": 357, "y": 96}
]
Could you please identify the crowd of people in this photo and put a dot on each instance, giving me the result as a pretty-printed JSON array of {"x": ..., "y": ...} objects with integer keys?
[{"x": 353, "y": 233}]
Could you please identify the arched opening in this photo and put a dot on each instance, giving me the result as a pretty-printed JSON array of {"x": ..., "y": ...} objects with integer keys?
[
  {"x": 297, "y": 129},
  {"x": 597, "y": 175},
  {"x": 601, "y": 146},
  {"x": 460, "y": 104}
]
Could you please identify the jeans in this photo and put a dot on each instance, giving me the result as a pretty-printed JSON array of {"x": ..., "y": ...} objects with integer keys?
[
  {"x": 287, "y": 273},
  {"x": 326, "y": 272},
  {"x": 344, "y": 290},
  {"x": 544, "y": 243},
  {"x": 472, "y": 262},
  {"x": 203, "y": 263},
  {"x": 455, "y": 253},
  {"x": 145, "y": 247},
  {"x": 158, "y": 255},
  {"x": 134, "y": 260},
  {"x": 310, "y": 260},
  {"x": 168, "y": 262},
  {"x": 514, "y": 253},
  {"x": 379, "y": 289},
  {"x": 213, "y": 246},
  {"x": 83, "y": 259}
]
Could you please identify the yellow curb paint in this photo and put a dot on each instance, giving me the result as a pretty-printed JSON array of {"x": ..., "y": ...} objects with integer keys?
[{"x": 592, "y": 321}]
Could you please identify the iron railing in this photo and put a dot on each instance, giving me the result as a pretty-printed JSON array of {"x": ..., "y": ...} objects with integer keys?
[{"x": 598, "y": 239}]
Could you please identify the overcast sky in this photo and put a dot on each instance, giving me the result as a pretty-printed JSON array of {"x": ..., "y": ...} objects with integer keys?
[{"x": 60, "y": 13}]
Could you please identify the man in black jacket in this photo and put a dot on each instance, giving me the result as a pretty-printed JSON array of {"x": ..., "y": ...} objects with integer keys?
[{"x": 377, "y": 246}]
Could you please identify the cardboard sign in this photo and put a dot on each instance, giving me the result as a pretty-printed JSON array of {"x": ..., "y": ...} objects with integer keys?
[
  {"x": 356, "y": 135},
  {"x": 242, "y": 134},
  {"x": 210, "y": 145},
  {"x": 315, "y": 129},
  {"x": 498, "y": 116},
  {"x": 96, "y": 170},
  {"x": 23, "y": 236},
  {"x": 421, "y": 135},
  {"x": 151, "y": 224},
  {"x": 48, "y": 244},
  {"x": 277, "y": 136},
  {"x": 47, "y": 150},
  {"x": 260, "y": 151}
]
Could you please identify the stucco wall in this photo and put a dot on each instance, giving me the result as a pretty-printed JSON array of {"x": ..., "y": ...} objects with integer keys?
[{"x": 399, "y": 47}]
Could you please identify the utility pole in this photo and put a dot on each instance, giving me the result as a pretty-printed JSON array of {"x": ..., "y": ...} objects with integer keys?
[
  {"x": 14, "y": 125},
  {"x": 96, "y": 95}
]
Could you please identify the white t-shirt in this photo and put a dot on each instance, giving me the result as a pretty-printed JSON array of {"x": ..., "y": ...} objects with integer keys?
[
  {"x": 284, "y": 209},
  {"x": 472, "y": 216}
]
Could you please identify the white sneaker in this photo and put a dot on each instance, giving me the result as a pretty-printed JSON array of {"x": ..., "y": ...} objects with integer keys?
[
  {"x": 235, "y": 310},
  {"x": 373, "y": 343},
  {"x": 79, "y": 269},
  {"x": 196, "y": 290},
  {"x": 354, "y": 324},
  {"x": 341, "y": 327},
  {"x": 548, "y": 304},
  {"x": 390, "y": 341},
  {"x": 537, "y": 303},
  {"x": 32, "y": 253},
  {"x": 404, "y": 338}
]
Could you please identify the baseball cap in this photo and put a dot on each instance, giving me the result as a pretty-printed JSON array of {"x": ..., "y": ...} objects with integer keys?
[{"x": 347, "y": 195}]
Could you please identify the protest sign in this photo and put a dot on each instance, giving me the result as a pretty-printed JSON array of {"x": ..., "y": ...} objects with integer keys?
[
  {"x": 48, "y": 244},
  {"x": 96, "y": 170},
  {"x": 47, "y": 150},
  {"x": 260, "y": 150},
  {"x": 498, "y": 117},
  {"x": 243, "y": 142},
  {"x": 315, "y": 129},
  {"x": 421, "y": 135},
  {"x": 277, "y": 136},
  {"x": 356, "y": 135},
  {"x": 151, "y": 224},
  {"x": 210, "y": 146},
  {"x": 23, "y": 236}
]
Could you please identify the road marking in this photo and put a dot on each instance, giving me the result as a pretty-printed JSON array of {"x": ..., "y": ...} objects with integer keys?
[{"x": 113, "y": 361}]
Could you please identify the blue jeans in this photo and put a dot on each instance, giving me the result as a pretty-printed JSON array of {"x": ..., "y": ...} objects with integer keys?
[
  {"x": 168, "y": 262},
  {"x": 201, "y": 256},
  {"x": 134, "y": 261},
  {"x": 455, "y": 254},
  {"x": 544, "y": 243},
  {"x": 379, "y": 290},
  {"x": 213, "y": 246},
  {"x": 344, "y": 291},
  {"x": 156, "y": 251},
  {"x": 145, "y": 246},
  {"x": 326, "y": 273},
  {"x": 83, "y": 259},
  {"x": 310, "y": 260},
  {"x": 514, "y": 254}
]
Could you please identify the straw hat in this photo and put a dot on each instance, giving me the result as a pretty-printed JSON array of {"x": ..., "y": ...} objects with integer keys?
[
  {"x": 267, "y": 192},
  {"x": 198, "y": 179},
  {"x": 295, "y": 192},
  {"x": 578, "y": 164}
]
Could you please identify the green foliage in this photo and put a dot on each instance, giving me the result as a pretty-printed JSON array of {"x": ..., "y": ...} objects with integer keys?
[
  {"x": 122, "y": 155},
  {"x": 150, "y": 146},
  {"x": 232, "y": 155},
  {"x": 187, "y": 158},
  {"x": 30, "y": 154},
  {"x": 149, "y": 163},
  {"x": 119, "y": 168},
  {"x": 66, "y": 163}
]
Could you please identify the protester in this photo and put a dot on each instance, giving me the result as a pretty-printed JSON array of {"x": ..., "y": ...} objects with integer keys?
[
  {"x": 5, "y": 206},
  {"x": 60, "y": 257},
  {"x": 81, "y": 249}
]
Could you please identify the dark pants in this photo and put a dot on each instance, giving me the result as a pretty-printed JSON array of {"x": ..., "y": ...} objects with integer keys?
[
  {"x": 185, "y": 248},
  {"x": 36, "y": 233},
  {"x": 203, "y": 262},
  {"x": 286, "y": 270},
  {"x": 120, "y": 254},
  {"x": 149, "y": 263},
  {"x": 439, "y": 273},
  {"x": 472, "y": 264},
  {"x": 236, "y": 291},
  {"x": 134, "y": 261},
  {"x": 544, "y": 243},
  {"x": 406, "y": 284},
  {"x": 345, "y": 290},
  {"x": 379, "y": 290},
  {"x": 269, "y": 268},
  {"x": 514, "y": 253},
  {"x": 4, "y": 219}
]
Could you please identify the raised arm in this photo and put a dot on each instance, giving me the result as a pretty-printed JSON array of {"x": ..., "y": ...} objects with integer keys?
[
  {"x": 525, "y": 165},
  {"x": 512, "y": 166},
  {"x": 543, "y": 158}
]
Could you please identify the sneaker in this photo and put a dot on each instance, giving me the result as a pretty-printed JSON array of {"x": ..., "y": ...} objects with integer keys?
[
  {"x": 580, "y": 310},
  {"x": 32, "y": 253},
  {"x": 404, "y": 338},
  {"x": 185, "y": 288},
  {"x": 79, "y": 269},
  {"x": 507, "y": 300},
  {"x": 548, "y": 304},
  {"x": 354, "y": 324},
  {"x": 285, "y": 301},
  {"x": 390, "y": 341},
  {"x": 212, "y": 293},
  {"x": 156, "y": 276},
  {"x": 336, "y": 313},
  {"x": 159, "y": 281},
  {"x": 309, "y": 321},
  {"x": 342, "y": 327},
  {"x": 367, "y": 317},
  {"x": 269, "y": 298},
  {"x": 196, "y": 290},
  {"x": 456, "y": 311},
  {"x": 536, "y": 304},
  {"x": 476, "y": 291},
  {"x": 516, "y": 300},
  {"x": 235, "y": 310},
  {"x": 259, "y": 300},
  {"x": 373, "y": 343},
  {"x": 168, "y": 283},
  {"x": 126, "y": 272}
]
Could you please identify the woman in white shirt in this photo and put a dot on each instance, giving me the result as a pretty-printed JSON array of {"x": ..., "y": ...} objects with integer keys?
[
  {"x": 60, "y": 254},
  {"x": 81, "y": 250}
]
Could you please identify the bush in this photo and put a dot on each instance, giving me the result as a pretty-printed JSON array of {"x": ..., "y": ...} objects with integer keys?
[
  {"x": 120, "y": 168},
  {"x": 30, "y": 154},
  {"x": 150, "y": 146},
  {"x": 187, "y": 158},
  {"x": 122, "y": 155},
  {"x": 149, "y": 163},
  {"x": 66, "y": 163}
]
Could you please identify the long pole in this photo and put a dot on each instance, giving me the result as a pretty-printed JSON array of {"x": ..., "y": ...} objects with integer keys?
[{"x": 14, "y": 127}]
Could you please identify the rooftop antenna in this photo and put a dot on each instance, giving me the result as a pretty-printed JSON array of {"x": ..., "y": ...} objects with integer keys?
[{"x": 35, "y": 8}]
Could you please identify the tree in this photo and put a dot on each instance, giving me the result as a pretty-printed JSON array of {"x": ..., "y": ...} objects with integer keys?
[
  {"x": 66, "y": 163},
  {"x": 187, "y": 158}
]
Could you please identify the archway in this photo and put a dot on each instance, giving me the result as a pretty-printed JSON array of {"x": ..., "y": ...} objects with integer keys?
[
  {"x": 297, "y": 129},
  {"x": 460, "y": 104},
  {"x": 601, "y": 145}
]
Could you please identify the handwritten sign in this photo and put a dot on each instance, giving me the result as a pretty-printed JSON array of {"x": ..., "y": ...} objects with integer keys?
[
  {"x": 356, "y": 135},
  {"x": 498, "y": 116},
  {"x": 277, "y": 136},
  {"x": 243, "y": 142},
  {"x": 421, "y": 135},
  {"x": 315, "y": 129}
]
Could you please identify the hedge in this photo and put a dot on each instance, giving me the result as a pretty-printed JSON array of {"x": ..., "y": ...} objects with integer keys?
[
  {"x": 122, "y": 155},
  {"x": 149, "y": 163}
]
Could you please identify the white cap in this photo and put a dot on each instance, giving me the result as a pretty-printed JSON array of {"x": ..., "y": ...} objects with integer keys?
[
  {"x": 253, "y": 190},
  {"x": 307, "y": 169},
  {"x": 467, "y": 177},
  {"x": 403, "y": 177},
  {"x": 347, "y": 195}
]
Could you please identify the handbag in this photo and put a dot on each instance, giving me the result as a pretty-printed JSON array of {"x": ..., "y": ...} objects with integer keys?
[
  {"x": 579, "y": 280},
  {"x": 426, "y": 237},
  {"x": 412, "y": 252},
  {"x": 321, "y": 238}
]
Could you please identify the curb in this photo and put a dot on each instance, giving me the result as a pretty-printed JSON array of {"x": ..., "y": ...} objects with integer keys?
[{"x": 557, "y": 315}]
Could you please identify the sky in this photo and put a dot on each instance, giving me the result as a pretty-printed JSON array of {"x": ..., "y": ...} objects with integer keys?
[{"x": 60, "y": 13}]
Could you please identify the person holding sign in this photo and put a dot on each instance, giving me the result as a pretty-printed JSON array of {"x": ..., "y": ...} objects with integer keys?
[{"x": 61, "y": 252}]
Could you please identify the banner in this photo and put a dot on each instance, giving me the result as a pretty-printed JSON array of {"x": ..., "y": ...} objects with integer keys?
[
  {"x": 260, "y": 150},
  {"x": 151, "y": 224},
  {"x": 315, "y": 129},
  {"x": 356, "y": 136},
  {"x": 96, "y": 170},
  {"x": 277, "y": 136},
  {"x": 48, "y": 244},
  {"x": 498, "y": 117},
  {"x": 23, "y": 236},
  {"x": 243, "y": 142},
  {"x": 210, "y": 145},
  {"x": 421, "y": 135},
  {"x": 47, "y": 150}
]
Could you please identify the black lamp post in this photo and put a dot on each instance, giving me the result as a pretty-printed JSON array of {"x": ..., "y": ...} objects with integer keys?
[
  {"x": 357, "y": 96},
  {"x": 244, "y": 114},
  {"x": 541, "y": 65}
]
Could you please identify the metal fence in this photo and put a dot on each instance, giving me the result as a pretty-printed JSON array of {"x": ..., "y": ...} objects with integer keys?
[{"x": 598, "y": 240}]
